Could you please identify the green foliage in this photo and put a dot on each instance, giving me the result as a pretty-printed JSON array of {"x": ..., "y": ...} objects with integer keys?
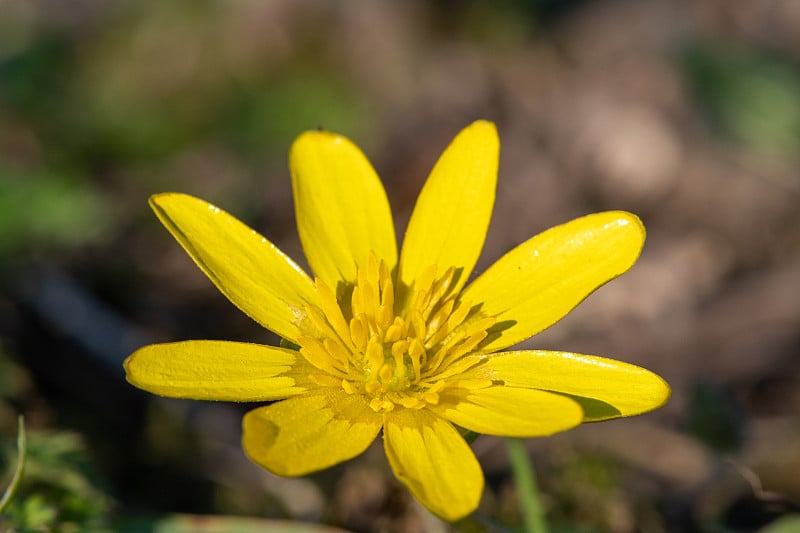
[
  {"x": 468, "y": 435},
  {"x": 22, "y": 451},
  {"x": 59, "y": 492},
  {"x": 584, "y": 489},
  {"x": 14, "y": 380},
  {"x": 788, "y": 524},
  {"x": 751, "y": 96},
  {"x": 715, "y": 418},
  {"x": 42, "y": 210},
  {"x": 289, "y": 345},
  {"x": 264, "y": 114},
  {"x": 31, "y": 77}
]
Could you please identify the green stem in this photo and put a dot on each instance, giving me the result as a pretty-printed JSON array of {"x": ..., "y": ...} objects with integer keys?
[
  {"x": 525, "y": 478},
  {"x": 22, "y": 451}
]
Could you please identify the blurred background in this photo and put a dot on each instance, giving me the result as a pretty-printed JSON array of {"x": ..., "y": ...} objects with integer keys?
[{"x": 684, "y": 112}]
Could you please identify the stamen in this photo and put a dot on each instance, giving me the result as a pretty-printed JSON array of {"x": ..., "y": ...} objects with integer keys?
[
  {"x": 359, "y": 332},
  {"x": 423, "y": 288},
  {"x": 320, "y": 322},
  {"x": 395, "y": 358},
  {"x": 481, "y": 324},
  {"x": 460, "y": 366},
  {"x": 374, "y": 356},
  {"x": 379, "y": 405},
  {"x": 373, "y": 267},
  {"x": 387, "y": 287},
  {"x": 332, "y": 311},
  {"x": 338, "y": 352},
  {"x": 349, "y": 387},
  {"x": 398, "y": 353},
  {"x": 369, "y": 301},
  {"x": 417, "y": 355},
  {"x": 442, "y": 286},
  {"x": 443, "y": 350},
  {"x": 410, "y": 402},
  {"x": 463, "y": 349},
  {"x": 314, "y": 352},
  {"x": 386, "y": 373},
  {"x": 431, "y": 398},
  {"x": 356, "y": 300},
  {"x": 396, "y": 330},
  {"x": 419, "y": 325},
  {"x": 439, "y": 318},
  {"x": 458, "y": 315},
  {"x": 384, "y": 317},
  {"x": 324, "y": 379}
]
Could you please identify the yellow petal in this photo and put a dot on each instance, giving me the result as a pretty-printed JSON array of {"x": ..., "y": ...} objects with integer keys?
[
  {"x": 430, "y": 457},
  {"x": 307, "y": 433},
  {"x": 509, "y": 411},
  {"x": 538, "y": 282},
  {"x": 449, "y": 222},
  {"x": 218, "y": 370},
  {"x": 248, "y": 269},
  {"x": 341, "y": 207},
  {"x": 604, "y": 387}
]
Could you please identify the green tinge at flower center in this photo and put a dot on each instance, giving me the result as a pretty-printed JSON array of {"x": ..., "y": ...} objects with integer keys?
[{"x": 406, "y": 358}]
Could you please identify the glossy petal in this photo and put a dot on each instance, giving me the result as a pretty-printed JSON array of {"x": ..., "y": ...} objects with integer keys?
[
  {"x": 509, "y": 411},
  {"x": 248, "y": 269},
  {"x": 604, "y": 387},
  {"x": 342, "y": 209},
  {"x": 307, "y": 433},
  {"x": 449, "y": 222},
  {"x": 218, "y": 370},
  {"x": 538, "y": 282},
  {"x": 430, "y": 457}
]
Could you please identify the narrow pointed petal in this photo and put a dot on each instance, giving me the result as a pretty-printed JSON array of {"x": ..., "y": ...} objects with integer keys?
[
  {"x": 430, "y": 457},
  {"x": 605, "y": 388},
  {"x": 248, "y": 269},
  {"x": 449, "y": 222},
  {"x": 342, "y": 210},
  {"x": 538, "y": 282},
  {"x": 307, "y": 433},
  {"x": 218, "y": 370},
  {"x": 508, "y": 411}
]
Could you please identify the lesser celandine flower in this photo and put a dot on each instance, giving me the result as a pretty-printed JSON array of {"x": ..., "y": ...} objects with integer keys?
[{"x": 402, "y": 345}]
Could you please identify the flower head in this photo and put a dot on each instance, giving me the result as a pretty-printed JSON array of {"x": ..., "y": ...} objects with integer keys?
[{"x": 402, "y": 345}]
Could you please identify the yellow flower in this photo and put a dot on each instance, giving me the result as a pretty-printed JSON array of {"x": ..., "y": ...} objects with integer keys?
[{"x": 400, "y": 345}]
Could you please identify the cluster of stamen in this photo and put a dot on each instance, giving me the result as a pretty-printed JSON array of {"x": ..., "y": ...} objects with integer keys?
[{"x": 405, "y": 359}]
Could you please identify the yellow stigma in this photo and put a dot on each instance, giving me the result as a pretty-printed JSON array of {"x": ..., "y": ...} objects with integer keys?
[{"x": 395, "y": 353}]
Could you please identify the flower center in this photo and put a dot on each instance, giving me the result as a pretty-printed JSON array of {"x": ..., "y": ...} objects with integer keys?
[{"x": 395, "y": 358}]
